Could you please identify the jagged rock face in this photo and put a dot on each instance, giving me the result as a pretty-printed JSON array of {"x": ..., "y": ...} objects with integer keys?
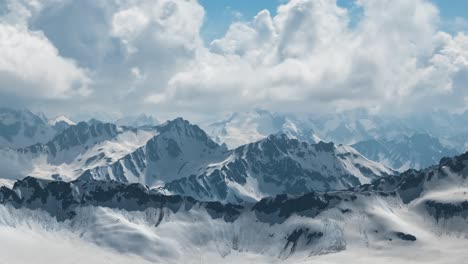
[
  {"x": 71, "y": 202},
  {"x": 60, "y": 199},
  {"x": 279, "y": 165},
  {"x": 75, "y": 149},
  {"x": 416, "y": 151},
  {"x": 179, "y": 158},
  {"x": 177, "y": 151},
  {"x": 288, "y": 225},
  {"x": 75, "y": 140},
  {"x": 84, "y": 134},
  {"x": 450, "y": 173}
]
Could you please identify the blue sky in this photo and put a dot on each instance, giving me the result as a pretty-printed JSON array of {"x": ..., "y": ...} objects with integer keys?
[{"x": 221, "y": 13}]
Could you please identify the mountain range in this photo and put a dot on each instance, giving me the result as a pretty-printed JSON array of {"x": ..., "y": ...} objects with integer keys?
[
  {"x": 179, "y": 158},
  {"x": 417, "y": 151},
  {"x": 398, "y": 143},
  {"x": 417, "y": 211},
  {"x": 258, "y": 187},
  {"x": 241, "y": 128}
]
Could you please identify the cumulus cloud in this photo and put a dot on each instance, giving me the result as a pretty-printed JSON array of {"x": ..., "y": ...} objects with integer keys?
[
  {"x": 30, "y": 65},
  {"x": 309, "y": 56},
  {"x": 165, "y": 24},
  {"x": 126, "y": 50}
]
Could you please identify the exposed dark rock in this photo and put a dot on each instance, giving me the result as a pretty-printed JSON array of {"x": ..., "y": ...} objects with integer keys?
[{"x": 406, "y": 237}]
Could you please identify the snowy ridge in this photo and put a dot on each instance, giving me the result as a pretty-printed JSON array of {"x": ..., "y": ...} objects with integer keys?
[
  {"x": 74, "y": 150},
  {"x": 182, "y": 159},
  {"x": 411, "y": 213},
  {"x": 61, "y": 119},
  {"x": 176, "y": 151},
  {"x": 278, "y": 165},
  {"x": 399, "y": 144}
]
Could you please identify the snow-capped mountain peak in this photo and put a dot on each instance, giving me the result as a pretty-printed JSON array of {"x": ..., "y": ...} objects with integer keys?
[
  {"x": 179, "y": 149},
  {"x": 279, "y": 164},
  {"x": 182, "y": 159},
  {"x": 60, "y": 119}
]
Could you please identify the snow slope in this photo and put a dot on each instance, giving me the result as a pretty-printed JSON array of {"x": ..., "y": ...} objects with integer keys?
[
  {"x": 419, "y": 217},
  {"x": 179, "y": 158},
  {"x": 74, "y": 150},
  {"x": 178, "y": 150},
  {"x": 278, "y": 165},
  {"x": 61, "y": 119},
  {"x": 397, "y": 143},
  {"x": 182, "y": 159}
]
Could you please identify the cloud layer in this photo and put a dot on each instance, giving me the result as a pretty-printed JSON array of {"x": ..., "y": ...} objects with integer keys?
[{"x": 148, "y": 56}]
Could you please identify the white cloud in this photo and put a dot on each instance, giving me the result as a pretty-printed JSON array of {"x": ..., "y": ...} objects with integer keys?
[
  {"x": 130, "y": 48},
  {"x": 137, "y": 74},
  {"x": 128, "y": 24},
  {"x": 155, "y": 98},
  {"x": 30, "y": 66},
  {"x": 308, "y": 58},
  {"x": 166, "y": 23},
  {"x": 148, "y": 54}
]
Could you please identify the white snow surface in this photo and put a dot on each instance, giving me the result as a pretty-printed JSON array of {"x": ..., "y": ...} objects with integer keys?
[
  {"x": 61, "y": 118},
  {"x": 70, "y": 163},
  {"x": 361, "y": 230},
  {"x": 103, "y": 235}
]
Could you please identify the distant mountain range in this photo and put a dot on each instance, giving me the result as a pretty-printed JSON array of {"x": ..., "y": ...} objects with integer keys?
[
  {"x": 407, "y": 152},
  {"x": 398, "y": 143},
  {"x": 72, "y": 151},
  {"x": 22, "y": 128},
  {"x": 392, "y": 142},
  {"x": 243, "y": 128}
]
